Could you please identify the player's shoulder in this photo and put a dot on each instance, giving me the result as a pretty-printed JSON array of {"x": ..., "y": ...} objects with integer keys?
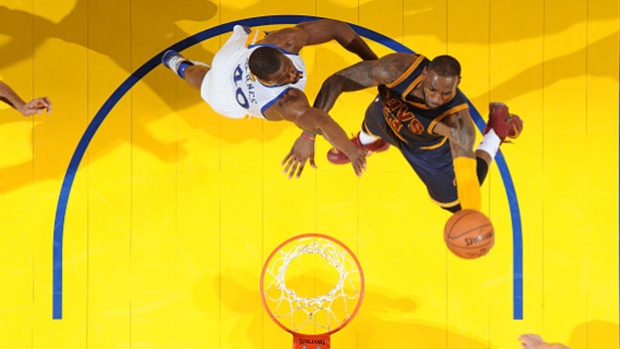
[
  {"x": 400, "y": 58},
  {"x": 292, "y": 99},
  {"x": 291, "y": 39},
  {"x": 393, "y": 65},
  {"x": 292, "y": 94},
  {"x": 459, "y": 97},
  {"x": 288, "y": 105}
]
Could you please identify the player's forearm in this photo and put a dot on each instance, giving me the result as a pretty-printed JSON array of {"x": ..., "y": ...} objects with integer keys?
[
  {"x": 329, "y": 92},
  {"x": 325, "y": 30},
  {"x": 332, "y": 88},
  {"x": 358, "y": 46},
  {"x": 334, "y": 134},
  {"x": 9, "y": 96},
  {"x": 352, "y": 42}
]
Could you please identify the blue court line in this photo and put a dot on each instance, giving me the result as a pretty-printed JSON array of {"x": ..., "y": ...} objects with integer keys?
[{"x": 67, "y": 183}]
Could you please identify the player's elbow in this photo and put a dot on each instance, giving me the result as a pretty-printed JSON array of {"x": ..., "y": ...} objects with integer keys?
[
  {"x": 329, "y": 92},
  {"x": 463, "y": 136}
]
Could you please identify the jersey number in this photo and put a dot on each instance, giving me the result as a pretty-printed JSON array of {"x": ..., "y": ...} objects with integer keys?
[{"x": 241, "y": 98}]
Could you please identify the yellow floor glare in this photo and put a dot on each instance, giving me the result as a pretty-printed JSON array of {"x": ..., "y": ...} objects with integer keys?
[
  {"x": 153, "y": 300},
  {"x": 563, "y": 258},
  {"x": 108, "y": 173},
  {"x": 287, "y": 7},
  {"x": 51, "y": 46},
  {"x": 468, "y": 303},
  {"x": 425, "y": 27},
  {"x": 199, "y": 139},
  {"x": 16, "y": 147},
  {"x": 521, "y": 89},
  {"x": 241, "y": 220},
  {"x": 198, "y": 218},
  {"x": 602, "y": 111}
]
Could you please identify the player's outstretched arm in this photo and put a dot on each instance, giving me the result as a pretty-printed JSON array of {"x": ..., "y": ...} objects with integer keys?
[
  {"x": 294, "y": 107},
  {"x": 35, "y": 106},
  {"x": 360, "y": 76},
  {"x": 326, "y": 30},
  {"x": 319, "y": 122},
  {"x": 293, "y": 39}
]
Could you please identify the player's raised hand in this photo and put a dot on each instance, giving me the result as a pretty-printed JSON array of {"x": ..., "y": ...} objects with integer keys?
[
  {"x": 36, "y": 106},
  {"x": 358, "y": 159},
  {"x": 295, "y": 160}
]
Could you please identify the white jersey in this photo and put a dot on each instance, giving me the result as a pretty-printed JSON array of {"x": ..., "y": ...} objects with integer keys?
[{"x": 229, "y": 87}]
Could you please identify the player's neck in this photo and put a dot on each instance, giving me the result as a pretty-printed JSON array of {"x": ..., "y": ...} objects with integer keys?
[{"x": 416, "y": 94}]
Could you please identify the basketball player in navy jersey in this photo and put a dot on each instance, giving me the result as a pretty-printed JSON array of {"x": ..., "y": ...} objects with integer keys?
[
  {"x": 261, "y": 75},
  {"x": 35, "y": 106},
  {"x": 421, "y": 111}
]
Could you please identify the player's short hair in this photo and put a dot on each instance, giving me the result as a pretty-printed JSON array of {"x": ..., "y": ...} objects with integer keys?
[
  {"x": 445, "y": 66},
  {"x": 264, "y": 61}
]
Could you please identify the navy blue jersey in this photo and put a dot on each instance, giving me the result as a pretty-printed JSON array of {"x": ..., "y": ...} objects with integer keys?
[
  {"x": 413, "y": 122},
  {"x": 408, "y": 125}
]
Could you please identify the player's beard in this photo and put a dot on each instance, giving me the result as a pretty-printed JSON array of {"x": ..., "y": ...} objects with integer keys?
[{"x": 425, "y": 102}]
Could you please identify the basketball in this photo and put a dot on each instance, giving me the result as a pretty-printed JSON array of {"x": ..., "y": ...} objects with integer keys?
[{"x": 469, "y": 234}]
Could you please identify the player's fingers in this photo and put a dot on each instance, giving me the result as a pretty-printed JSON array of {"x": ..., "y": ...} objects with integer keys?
[
  {"x": 37, "y": 103},
  {"x": 312, "y": 162},
  {"x": 288, "y": 166},
  {"x": 362, "y": 165},
  {"x": 286, "y": 158},
  {"x": 358, "y": 170},
  {"x": 293, "y": 169},
  {"x": 48, "y": 105},
  {"x": 301, "y": 168}
]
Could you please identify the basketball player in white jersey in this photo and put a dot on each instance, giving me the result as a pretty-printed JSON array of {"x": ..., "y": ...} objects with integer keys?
[{"x": 259, "y": 74}]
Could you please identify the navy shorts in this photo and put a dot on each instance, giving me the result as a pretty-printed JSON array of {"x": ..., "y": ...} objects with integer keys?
[{"x": 434, "y": 166}]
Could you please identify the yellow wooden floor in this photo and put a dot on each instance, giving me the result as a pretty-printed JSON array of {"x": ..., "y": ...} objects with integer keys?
[{"x": 135, "y": 217}]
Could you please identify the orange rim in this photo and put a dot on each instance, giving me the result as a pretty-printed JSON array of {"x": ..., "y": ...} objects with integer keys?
[{"x": 310, "y": 235}]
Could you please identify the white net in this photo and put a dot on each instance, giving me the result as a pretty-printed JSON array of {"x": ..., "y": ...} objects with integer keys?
[{"x": 307, "y": 302}]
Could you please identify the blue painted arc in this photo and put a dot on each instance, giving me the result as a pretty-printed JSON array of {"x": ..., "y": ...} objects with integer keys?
[{"x": 67, "y": 183}]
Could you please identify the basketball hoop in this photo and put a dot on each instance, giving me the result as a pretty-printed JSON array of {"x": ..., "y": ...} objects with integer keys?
[{"x": 315, "y": 309}]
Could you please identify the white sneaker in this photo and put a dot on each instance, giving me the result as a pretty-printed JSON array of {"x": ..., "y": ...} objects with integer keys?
[{"x": 172, "y": 59}]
